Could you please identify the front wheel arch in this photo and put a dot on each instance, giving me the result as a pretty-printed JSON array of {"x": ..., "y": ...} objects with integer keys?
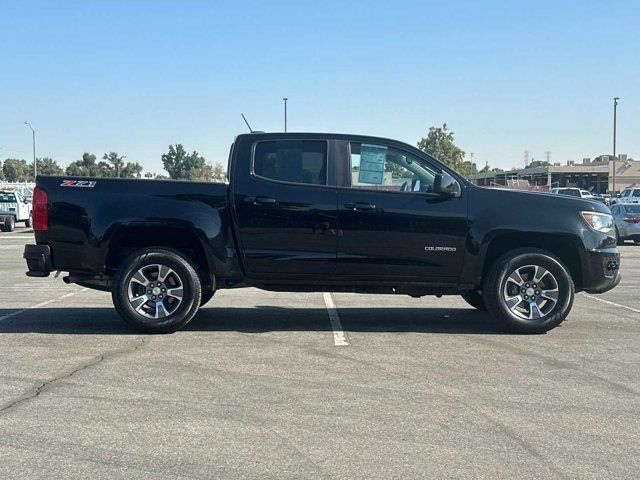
[{"x": 564, "y": 247}]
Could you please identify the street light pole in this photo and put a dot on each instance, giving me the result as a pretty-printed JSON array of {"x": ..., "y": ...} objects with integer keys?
[
  {"x": 120, "y": 164},
  {"x": 33, "y": 135},
  {"x": 285, "y": 114},
  {"x": 615, "y": 114}
]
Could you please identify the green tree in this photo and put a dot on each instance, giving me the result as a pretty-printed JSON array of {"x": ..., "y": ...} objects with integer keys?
[
  {"x": 538, "y": 163},
  {"x": 46, "y": 166},
  {"x": 439, "y": 144},
  {"x": 131, "y": 170},
  {"x": 115, "y": 162},
  {"x": 15, "y": 170},
  {"x": 88, "y": 167},
  {"x": 219, "y": 173},
  {"x": 181, "y": 165}
]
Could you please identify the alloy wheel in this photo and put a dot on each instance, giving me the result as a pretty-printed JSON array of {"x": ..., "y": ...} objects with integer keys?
[
  {"x": 155, "y": 291},
  {"x": 530, "y": 292}
]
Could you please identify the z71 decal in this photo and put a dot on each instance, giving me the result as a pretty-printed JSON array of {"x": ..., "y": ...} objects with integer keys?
[{"x": 78, "y": 183}]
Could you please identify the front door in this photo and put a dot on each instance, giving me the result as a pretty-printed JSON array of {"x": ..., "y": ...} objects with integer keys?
[
  {"x": 391, "y": 224},
  {"x": 286, "y": 210}
]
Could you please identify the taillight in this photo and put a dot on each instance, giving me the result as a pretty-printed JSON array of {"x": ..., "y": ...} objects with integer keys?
[
  {"x": 40, "y": 211},
  {"x": 632, "y": 220}
]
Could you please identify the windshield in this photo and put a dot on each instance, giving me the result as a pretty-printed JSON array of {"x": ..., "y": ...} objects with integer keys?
[
  {"x": 632, "y": 208},
  {"x": 7, "y": 198}
]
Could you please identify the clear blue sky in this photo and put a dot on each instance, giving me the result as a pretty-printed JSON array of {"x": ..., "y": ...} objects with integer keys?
[{"x": 135, "y": 76}]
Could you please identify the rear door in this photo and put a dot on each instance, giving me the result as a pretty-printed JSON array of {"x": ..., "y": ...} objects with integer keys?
[
  {"x": 391, "y": 224},
  {"x": 284, "y": 199}
]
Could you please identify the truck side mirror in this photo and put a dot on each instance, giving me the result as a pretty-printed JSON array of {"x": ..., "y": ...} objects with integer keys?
[{"x": 445, "y": 185}]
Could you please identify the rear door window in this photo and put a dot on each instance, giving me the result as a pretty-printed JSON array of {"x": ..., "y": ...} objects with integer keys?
[{"x": 292, "y": 161}]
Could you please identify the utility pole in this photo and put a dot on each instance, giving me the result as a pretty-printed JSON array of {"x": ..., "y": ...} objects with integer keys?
[
  {"x": 33, "y": 135},
  {"x": 615, "y": 114},
  {"x": 547, "y": 157},
  {"x": 285, "y": 114}
]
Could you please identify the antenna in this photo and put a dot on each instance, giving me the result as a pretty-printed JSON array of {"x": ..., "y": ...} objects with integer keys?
[{"x": 245, "y": 121}]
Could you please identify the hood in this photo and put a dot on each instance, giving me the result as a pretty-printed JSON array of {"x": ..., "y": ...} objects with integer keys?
[{"x": 530, "y": 199}]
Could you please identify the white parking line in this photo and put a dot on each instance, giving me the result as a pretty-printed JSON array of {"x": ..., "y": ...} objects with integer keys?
[
  {"x": 42, "y": 304},
  {"x": 339, "y": 337},
  {"x": 610, "y": 303}
]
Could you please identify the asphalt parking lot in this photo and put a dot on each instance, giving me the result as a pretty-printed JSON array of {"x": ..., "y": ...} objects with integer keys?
[{"x": 277, "y": 385}]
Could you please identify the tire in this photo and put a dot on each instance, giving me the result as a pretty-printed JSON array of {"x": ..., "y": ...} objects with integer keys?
[
  {"x": 475, "y": 299},
  {"x": 164, "y": 310},
  {"x": 505, "y": 299},
  {"x": 9, "y": 224},
  {"x": 206, "y": 296},
  {"x": 619, "y": 240},
  {"x": 29, "y": 222}
]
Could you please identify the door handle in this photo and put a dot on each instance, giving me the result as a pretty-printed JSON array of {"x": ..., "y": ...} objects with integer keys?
[
  {"x": 362, "y": 206},
  {"x": 265, "y": 201}
]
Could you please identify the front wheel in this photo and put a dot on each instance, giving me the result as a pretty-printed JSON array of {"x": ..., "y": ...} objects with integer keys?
[
  {"x": 529, "y": 290},
  {"x": 156, "y": 290}
]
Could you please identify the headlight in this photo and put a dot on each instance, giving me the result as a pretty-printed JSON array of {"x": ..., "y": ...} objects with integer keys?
[{"x": 600, "y": 222}]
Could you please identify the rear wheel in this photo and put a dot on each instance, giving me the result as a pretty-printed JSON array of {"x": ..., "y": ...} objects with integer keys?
[
  {"x": 529, "y": 290},
  {"x": 9, "y": 224},
  {"x": 474, "y": 298},
  {"x": 29, "y": 222},
  {"x": 619, "y": 240},
  {"x": 156, "y": 290}
]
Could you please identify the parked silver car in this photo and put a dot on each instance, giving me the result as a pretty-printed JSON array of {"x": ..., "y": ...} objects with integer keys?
[{"x": 627, "y": 221}]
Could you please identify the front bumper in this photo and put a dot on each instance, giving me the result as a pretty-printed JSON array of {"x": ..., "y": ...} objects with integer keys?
[
  {"x": 38, "y": 259},
  {"x": 600, "y": 270}
]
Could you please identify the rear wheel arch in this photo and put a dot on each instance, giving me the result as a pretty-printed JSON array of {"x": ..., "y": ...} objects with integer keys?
[{"x": 127, "y": 240}]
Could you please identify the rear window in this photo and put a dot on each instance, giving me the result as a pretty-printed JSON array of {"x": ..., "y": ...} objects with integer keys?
[
  {"x": 569, "y": 191},
  {"x": 7, "y": 198},
  {"x": 636, "y": 193},
  {"x": 632, "y": 208},
  {"x": 293, "y": 161}
]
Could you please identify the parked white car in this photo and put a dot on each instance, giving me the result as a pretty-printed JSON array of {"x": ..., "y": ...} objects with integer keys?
[
  {"x": 629, "y": 195},
  {"x": 577, "y": 192},
  {"x": 14, "y": 208}
]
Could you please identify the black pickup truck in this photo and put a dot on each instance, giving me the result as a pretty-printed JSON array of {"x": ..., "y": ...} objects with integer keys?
[{"x": 323, "y": 212}]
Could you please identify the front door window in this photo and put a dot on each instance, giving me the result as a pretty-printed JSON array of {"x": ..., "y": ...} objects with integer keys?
[{"x": 379, "y": 167}]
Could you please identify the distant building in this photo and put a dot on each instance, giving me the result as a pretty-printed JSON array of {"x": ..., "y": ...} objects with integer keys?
[{"x": 594, "y": 175}]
